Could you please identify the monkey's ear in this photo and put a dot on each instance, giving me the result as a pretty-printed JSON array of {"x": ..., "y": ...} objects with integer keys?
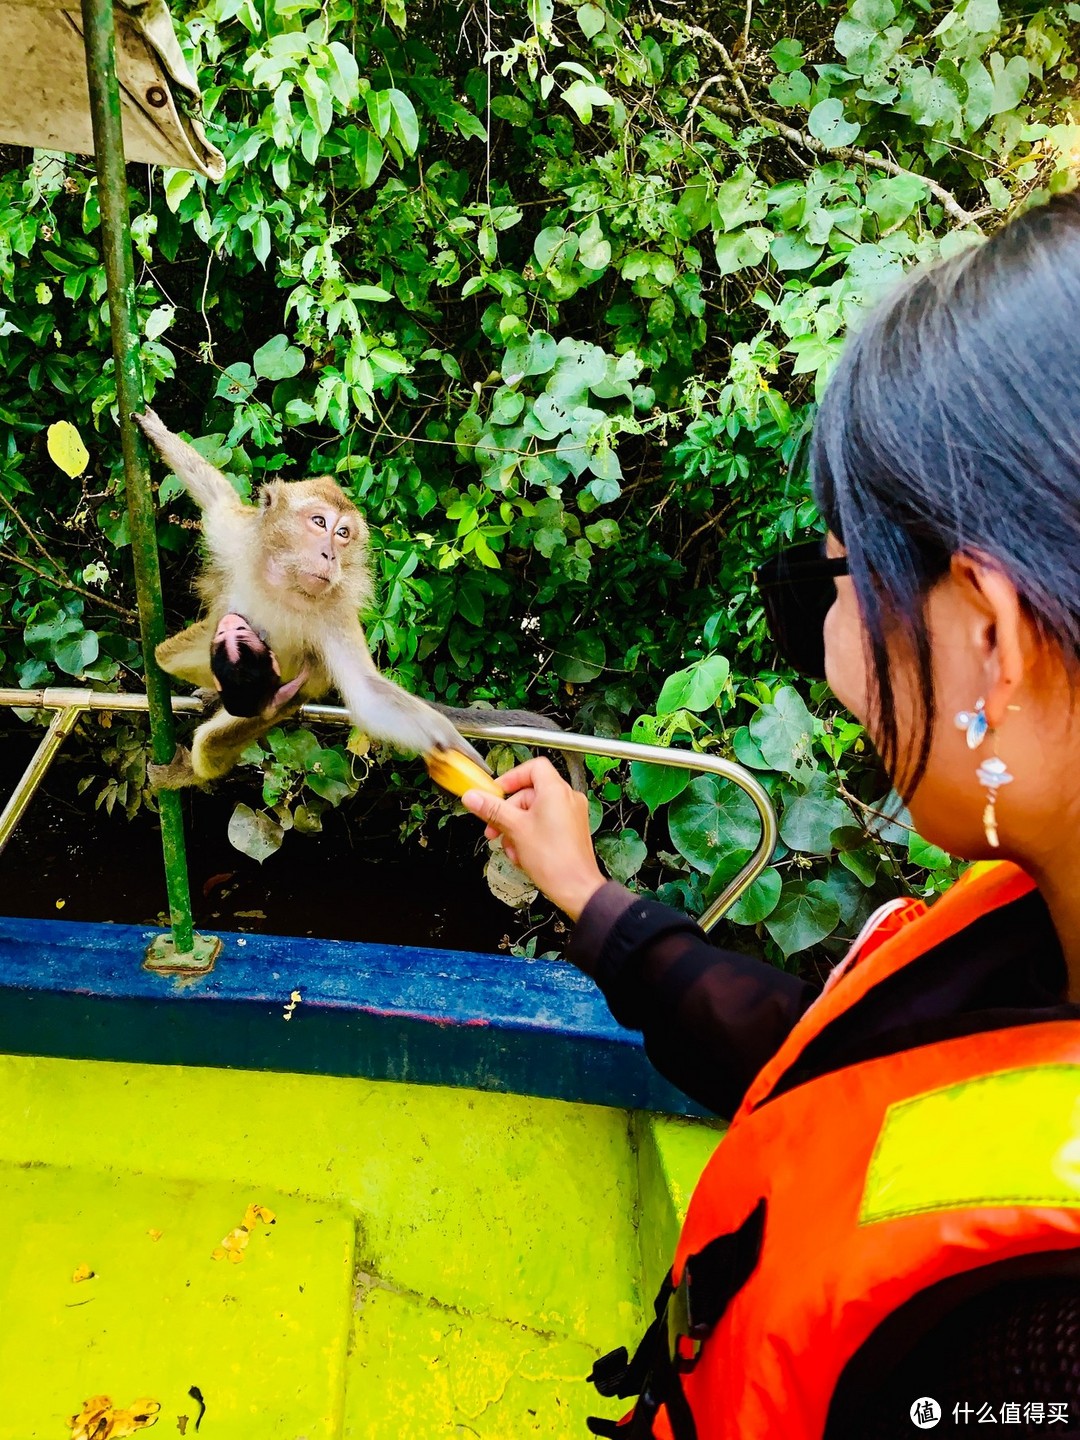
[{"x": 266, "y": 497}]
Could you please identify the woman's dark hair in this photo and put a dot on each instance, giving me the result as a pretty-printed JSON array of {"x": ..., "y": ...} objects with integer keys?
[{"x": 952, "y": 424}]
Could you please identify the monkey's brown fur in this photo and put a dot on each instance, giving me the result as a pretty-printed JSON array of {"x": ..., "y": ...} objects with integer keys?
[{"x": 296, "y": 567}]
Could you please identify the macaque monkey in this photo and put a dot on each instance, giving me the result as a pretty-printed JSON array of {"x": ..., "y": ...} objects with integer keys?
[{"x": 282, "y": 586}]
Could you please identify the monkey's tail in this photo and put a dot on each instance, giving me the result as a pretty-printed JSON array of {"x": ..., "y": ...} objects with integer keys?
[{"x": 575, "y": 766}]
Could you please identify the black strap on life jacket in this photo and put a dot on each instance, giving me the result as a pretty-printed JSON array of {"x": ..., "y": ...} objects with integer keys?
[{"x": 686, "y": 1314}]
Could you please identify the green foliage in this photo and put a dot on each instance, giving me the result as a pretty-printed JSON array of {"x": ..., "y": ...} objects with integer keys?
[
  {"x": 301, "y": 779},
  {"x": 552, "y": 293},
  {"x": 844, "y": 844}
]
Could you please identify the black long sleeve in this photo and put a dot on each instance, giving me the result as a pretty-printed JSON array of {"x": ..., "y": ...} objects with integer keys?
[{"x": 710, "y": 1018}]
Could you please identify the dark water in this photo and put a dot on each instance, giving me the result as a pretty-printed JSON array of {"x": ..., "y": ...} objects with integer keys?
[{"x": 358, "y": 880}]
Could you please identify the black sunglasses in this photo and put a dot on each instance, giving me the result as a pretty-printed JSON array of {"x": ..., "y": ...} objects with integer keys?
[{"x": 797, "y": 591}]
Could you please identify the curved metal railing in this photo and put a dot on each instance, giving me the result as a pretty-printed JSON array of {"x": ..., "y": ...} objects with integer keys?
[{"x": 69, "y": 702}]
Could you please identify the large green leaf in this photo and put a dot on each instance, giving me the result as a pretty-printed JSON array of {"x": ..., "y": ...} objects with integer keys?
[
  {"x": 380, "y": 111},
  {"x": 331, "y": 776},
  {"x": 657, "y": 784},
  {"x": 403, "y": 121},
  {"x": 741, "y": 249},
  {"x": 930, "y": 857},
  {"x": 804, "y": 915},
  {"x": 696, "y": 688},
  {"x": 827, "y": 123},
  {"x": 759, "y": 901},
  {"x": 74, "y": 653},
  {"x": 809, "y": 820},
  {"x": 255, "y": 833},
  {"x": 591, "y": 19},
  {"x": 709, "y": 819},
  {"x": 740, "y": 200},
  {"x": 278, "y": 360},
  {"x": 553, "y": 246},
  {"x": 1010, "y": 79},
  {"x": 580, "y": 658},
  {"x": 848, "y": 891},
  {"x": 369, "y": 155},
  {"x": 783, "y": 732},
  {"x": 623, "y": 854}
]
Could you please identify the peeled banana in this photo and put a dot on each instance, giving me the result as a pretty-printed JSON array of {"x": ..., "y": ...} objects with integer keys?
[{"x": 457, "y": 773}]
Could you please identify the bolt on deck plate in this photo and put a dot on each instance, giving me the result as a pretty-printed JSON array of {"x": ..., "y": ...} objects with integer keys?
[{"x": 163, "y": 958}]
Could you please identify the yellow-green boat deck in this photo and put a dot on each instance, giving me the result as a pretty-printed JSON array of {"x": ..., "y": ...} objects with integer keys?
[{"x": 443, "y": 1262}]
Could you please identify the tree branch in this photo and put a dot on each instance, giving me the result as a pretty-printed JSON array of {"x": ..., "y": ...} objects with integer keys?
[
  {"x": 705, "y": 87},
  {"x": 20, "y": 521},
  {"x": 61, "y": 582},
  {"x": 948, "y": 201}
]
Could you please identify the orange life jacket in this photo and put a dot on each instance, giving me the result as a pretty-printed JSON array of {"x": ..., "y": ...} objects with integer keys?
[{"x": 836, "y": 1199}]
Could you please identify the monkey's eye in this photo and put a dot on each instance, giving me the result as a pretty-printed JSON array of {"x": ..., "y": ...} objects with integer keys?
[
  {"x": 318, "y": 520},
  {"x": 343, "y": 531}
]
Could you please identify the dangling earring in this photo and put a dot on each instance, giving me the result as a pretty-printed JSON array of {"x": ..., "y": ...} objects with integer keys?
[
  {"x": 975, "y": 723},
  {"x": 993, "y": 773}
]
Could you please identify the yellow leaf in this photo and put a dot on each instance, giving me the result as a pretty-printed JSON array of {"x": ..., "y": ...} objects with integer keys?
[
  {"x": 258, "y": 1215},
  {"x": 140, "y": 1415},
  {"x": 66, "y": 448},
  {"x": 155, "y": 1234},
  {"x": 83, "y": 1273},
  {"x": 358, "y": 743},
  {"x": 94, "y": 1420},
  {"x": 93, "y": 1409},
  {"x": 100, "y": 1421}
]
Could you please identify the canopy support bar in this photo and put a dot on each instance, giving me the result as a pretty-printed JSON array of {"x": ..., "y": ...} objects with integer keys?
[
  {"x": 63, "y": 722},
  {"x": 100, "y": 38}
]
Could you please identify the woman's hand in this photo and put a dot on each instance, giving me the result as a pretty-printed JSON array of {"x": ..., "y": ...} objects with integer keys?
[{"x": 545, "y": 831}]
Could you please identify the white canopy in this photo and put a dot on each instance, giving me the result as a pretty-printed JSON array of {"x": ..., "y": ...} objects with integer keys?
[{"x": 43, "y": 93}]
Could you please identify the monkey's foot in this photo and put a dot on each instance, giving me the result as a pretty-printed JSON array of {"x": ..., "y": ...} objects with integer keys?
[{"x": 178, "y": 773}]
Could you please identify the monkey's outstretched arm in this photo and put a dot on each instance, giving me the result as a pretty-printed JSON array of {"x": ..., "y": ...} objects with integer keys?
[
  {"x": 382, "y": 709},
  {"x": 207, "y": 486}
]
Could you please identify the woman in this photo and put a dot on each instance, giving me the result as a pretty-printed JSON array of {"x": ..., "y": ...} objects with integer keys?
[{"x": 889, "y": 1236}]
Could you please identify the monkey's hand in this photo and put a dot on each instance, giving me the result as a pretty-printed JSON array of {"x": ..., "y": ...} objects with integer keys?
[
  {"x": 178, "y": 773},
  {"x": 419, "y": 726},
  {"x": 152, "y": 427},
  {"x": 285, "y": 694},
  {"x": 246, "y": 672}
]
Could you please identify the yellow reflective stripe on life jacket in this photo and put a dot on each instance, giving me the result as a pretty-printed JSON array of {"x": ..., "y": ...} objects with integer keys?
[{"x": 1012, "y": 1138}]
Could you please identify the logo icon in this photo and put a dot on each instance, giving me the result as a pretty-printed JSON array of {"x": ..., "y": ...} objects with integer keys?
[{"x": 925, "y": 1413}]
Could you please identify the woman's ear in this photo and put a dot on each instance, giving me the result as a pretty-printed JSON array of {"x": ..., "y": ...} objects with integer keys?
[{"x": 1000, "y": 628}]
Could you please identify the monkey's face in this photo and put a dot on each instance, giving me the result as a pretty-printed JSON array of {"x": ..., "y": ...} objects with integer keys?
[
  {"x": 316, "y": 534},
  {"x": 324, "y": 533}
]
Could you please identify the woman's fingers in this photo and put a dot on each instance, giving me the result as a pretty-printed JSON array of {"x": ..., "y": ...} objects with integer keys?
[
  {"x": 532, "y": 775},
  {"x": 501, "y": 815}
]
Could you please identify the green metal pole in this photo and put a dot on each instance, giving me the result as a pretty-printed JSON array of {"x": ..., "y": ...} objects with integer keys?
[{"x": 100, "y": 39}]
